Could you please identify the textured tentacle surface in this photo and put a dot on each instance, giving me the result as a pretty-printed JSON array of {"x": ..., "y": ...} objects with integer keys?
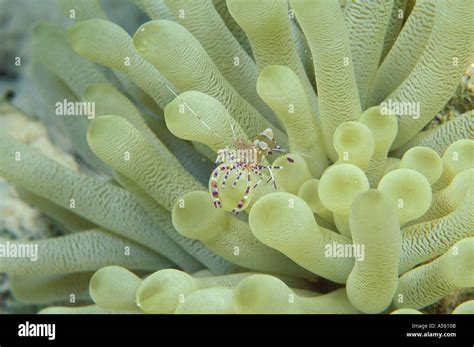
[
  {"x": 425, "y": 161},
  {"x": 283, "y": 221},
  {"x": 458, "y": 157},
  {"x": 410, "y": 190},
  {"x": 405, "y": 52},
  {"x": 51, "y": 48},
  {"x": 328, "y": 38},
  {"x": 394, "y": 25},
  {"x": 270, "y": 33},
  {"x": 204, "y": 22},
  {"x": 309, "y": 193},
  {"x": 267, "y": 294},
  {"x": 283, "y": 91},
  {"x": 108, "y": 44},
  {"x": 199, "y": 117},
  {"x": 447, "y": 200},
  {"x": 235, "y": 29},
  {"x": 118, "y": 143},
  {"x": 69, "y": 220},
  {"x": 216, "y": 300},
  {"x": 162, "y": 218},
  {"x": 428, "y": 283},
  {"x": 108, "y": 100},
  {"x": 239, "y": 156},
  {"x": 107, "y": 205},
  {"x": 155, "y": 9},
  {"x": 442, "y": 63},
  {"x": 440, "y": 138},
  {"x": 384, "y": 130},
  {"x": 367, "y": 22},
  {"x": 230, "y": 237},
  {"x": 292, "y": 174},
  {"x": 373, "y": 280},
  {"x": 355, "y": 144},
  {"x": 426, "y": 240}
]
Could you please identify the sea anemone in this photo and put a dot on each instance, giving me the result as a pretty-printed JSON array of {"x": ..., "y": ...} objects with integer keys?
[{"x": 369, "y": 211}]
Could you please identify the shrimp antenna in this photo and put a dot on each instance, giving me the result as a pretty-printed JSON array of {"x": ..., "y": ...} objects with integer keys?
[
  {"x": 194, "y": 113},
  {"x": 272, "y": 178},
  {"x": 232, "y": 128}
]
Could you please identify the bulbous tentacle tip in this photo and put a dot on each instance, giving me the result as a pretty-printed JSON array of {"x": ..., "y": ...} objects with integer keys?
[
  {"x": 406, "y": 311},
  {"x": 466, "y": 307},
  {"x": 256, "y": 15},
  {"x": 151, "y": 33},
  {"x": 410, "y": 190},
  {"x": 425, "y": 161},
  {"x": 292, "y": 171},
  {"x": 161, "y": 291},
  {"x": 426, "y": 284},
  {"x": 99, "y": 128},
  {"x": 339, "y": 185},
  {"x": 75, "y": 36},
  {"x": 262, "y": 294},
  {"x": 272, "y": 74},
  {"x": 140, "y": 38},
  {"x": 462, "y": 255},
  {"x": 114, "y": 287},
  {"x": 94, "y": 90},
  {"x": 80, "y": 33},
  {"x": 195, "y": 216},
  {"x": 279, "y": 212},
  {"x": 161, "y": 210},
  {"x": 372, "y": 199}
]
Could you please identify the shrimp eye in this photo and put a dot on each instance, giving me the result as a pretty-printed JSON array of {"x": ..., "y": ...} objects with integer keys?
[{"x": 263, "y": 145}]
